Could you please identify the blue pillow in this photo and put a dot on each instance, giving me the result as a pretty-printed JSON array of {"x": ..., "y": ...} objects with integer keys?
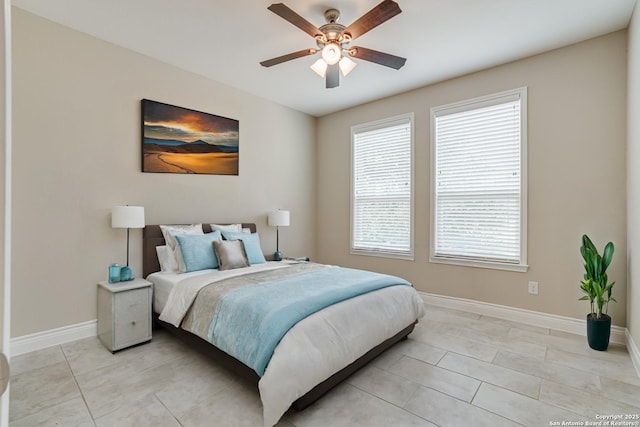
[
  {"x": 197, "y": 250},
  {"x": 251, "y": 245}
]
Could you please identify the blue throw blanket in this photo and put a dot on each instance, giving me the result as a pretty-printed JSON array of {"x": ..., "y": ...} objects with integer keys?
[{"x": 249, "y": 322}]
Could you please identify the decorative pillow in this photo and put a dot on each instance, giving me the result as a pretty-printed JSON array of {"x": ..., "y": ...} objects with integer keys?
[
  {"x": 166, "y": 259},
  {"x": 196, "y": 250},
  {"x": 251, "y": 245},
  {"x": 230, "y": 254},
  {"x": 169, "y": 231}
]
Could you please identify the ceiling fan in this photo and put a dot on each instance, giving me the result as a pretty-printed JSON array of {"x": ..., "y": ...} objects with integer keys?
[{"x": 332, "y": 39}]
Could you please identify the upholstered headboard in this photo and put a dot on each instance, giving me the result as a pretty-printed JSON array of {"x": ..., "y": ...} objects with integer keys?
[{"x": 152, "y": 237}]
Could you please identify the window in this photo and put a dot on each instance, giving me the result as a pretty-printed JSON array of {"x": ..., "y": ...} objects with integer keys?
[
  {"x": 478, "y": 184},
  {"x": 382, "y": 188}
]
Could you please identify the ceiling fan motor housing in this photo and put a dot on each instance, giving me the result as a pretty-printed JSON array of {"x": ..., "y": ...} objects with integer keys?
[
  {"x": 332, "y": 15},
  {"x": 332, "y": 31}
]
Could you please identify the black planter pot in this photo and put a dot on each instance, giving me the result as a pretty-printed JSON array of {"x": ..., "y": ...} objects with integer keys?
[{"x": 598, "y": 331}]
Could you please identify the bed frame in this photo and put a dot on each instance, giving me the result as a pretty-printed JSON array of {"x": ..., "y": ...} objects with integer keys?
[{"x": 152, "y": 237}]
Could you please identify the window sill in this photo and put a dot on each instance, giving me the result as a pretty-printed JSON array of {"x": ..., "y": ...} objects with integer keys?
[
  {"x": 382, "y": 254},
  {"x": 521, "y": 268}
]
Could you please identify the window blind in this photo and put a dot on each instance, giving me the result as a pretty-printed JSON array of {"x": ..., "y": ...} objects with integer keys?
[
  {"x": 478, "y": 181},
  {"x": 381, "y": 188}
]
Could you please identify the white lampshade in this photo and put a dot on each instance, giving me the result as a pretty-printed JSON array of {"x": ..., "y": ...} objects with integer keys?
[
  {"x": 127, "y": 217},
  {"x": 320, "y": 67},
  {"x": 346, "y": 65},
  {"x": 279, "y": 218}
]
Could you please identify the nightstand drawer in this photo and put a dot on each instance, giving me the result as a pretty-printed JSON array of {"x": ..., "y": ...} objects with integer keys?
[
  {"x": 129, "y": 332},
  {"x": 130, "y": 303}
]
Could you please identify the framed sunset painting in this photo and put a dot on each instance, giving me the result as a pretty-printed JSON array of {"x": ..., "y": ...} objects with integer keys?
[{"x": 179, "y": 140}]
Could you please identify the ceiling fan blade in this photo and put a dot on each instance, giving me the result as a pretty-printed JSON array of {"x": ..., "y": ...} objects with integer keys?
[
  {"x": 333, "y": 76},
  {"x": 376, "y": 16},
  {"x": 288, "y": 57},
  {"x": 287, "y": 14},
  {"x": 378, "y": 57}
]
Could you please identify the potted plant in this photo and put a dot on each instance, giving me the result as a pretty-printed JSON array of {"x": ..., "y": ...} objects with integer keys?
[{"x": 598, "y": 291}]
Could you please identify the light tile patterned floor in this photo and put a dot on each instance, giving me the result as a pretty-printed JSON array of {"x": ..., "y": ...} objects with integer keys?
[{"x": 456, "y": 369}]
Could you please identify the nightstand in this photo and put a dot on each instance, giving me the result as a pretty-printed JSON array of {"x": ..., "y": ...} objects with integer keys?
[{"x": 124, "y": 313}]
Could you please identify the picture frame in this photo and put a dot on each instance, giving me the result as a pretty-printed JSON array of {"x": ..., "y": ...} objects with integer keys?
[{"x": 184, "y": 141}]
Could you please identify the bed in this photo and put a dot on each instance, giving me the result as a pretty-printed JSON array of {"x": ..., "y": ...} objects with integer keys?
[{"x": 314, "y": 355}]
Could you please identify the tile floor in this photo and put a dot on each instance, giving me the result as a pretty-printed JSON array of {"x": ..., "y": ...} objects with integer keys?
[{"x": 456, "y": 369}]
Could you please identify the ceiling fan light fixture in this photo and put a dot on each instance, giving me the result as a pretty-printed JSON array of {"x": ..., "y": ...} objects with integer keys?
[
  {"x": 320, "y": 67},
  {"x": 346, "y": 65},
  {"x": 331, "y": 53}
]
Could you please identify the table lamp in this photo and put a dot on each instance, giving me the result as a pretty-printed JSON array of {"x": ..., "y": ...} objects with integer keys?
[
  {"x": 279, "y": 218},
  {"x": 127, "y": 217}
]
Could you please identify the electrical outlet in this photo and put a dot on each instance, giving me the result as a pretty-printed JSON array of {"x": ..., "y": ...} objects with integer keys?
[{"x": 533, "y": 288}]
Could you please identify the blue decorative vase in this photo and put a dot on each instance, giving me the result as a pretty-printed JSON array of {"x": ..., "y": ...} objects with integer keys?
[
  {"x": 114, "y": 273},
  {"x": 126, "y": 274}
]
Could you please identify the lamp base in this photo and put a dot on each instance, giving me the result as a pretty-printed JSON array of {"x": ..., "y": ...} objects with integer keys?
[{"x": 277, "y": 256}]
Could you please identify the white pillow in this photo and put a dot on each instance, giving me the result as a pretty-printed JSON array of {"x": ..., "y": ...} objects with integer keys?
[
  {"x": 169, "y": 231},
  {"x": 166, "y": 259},
  {"x": 228, "y": 227}
]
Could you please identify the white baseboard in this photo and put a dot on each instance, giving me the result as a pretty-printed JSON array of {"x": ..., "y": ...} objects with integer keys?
[
  {"x": 44, "y": 339},
  {"x": 633, "y": 352},
  {"x": 535, "y": 318}
]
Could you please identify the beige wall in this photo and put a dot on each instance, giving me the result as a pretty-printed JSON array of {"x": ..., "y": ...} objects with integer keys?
[
  {"x": 77, "y": 154},
  {"x": 576, "y": 160},
  {"x": 633, "y": 177}
]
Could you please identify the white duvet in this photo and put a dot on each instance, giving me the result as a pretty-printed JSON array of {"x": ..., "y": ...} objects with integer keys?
[{"x": 320, "y": 345}]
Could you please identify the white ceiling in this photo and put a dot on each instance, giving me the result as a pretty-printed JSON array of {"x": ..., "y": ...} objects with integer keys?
[{"x": 226, "y": 39}]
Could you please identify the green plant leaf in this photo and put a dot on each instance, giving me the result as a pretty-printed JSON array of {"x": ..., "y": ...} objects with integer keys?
[
  {"x": 586, "y": 242},
  {"x": 595, "y": 267},
  {"x": 585, "y": 253},
  {"x": 598, "y": 291},
  {"x": 607, "y": 256}
]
